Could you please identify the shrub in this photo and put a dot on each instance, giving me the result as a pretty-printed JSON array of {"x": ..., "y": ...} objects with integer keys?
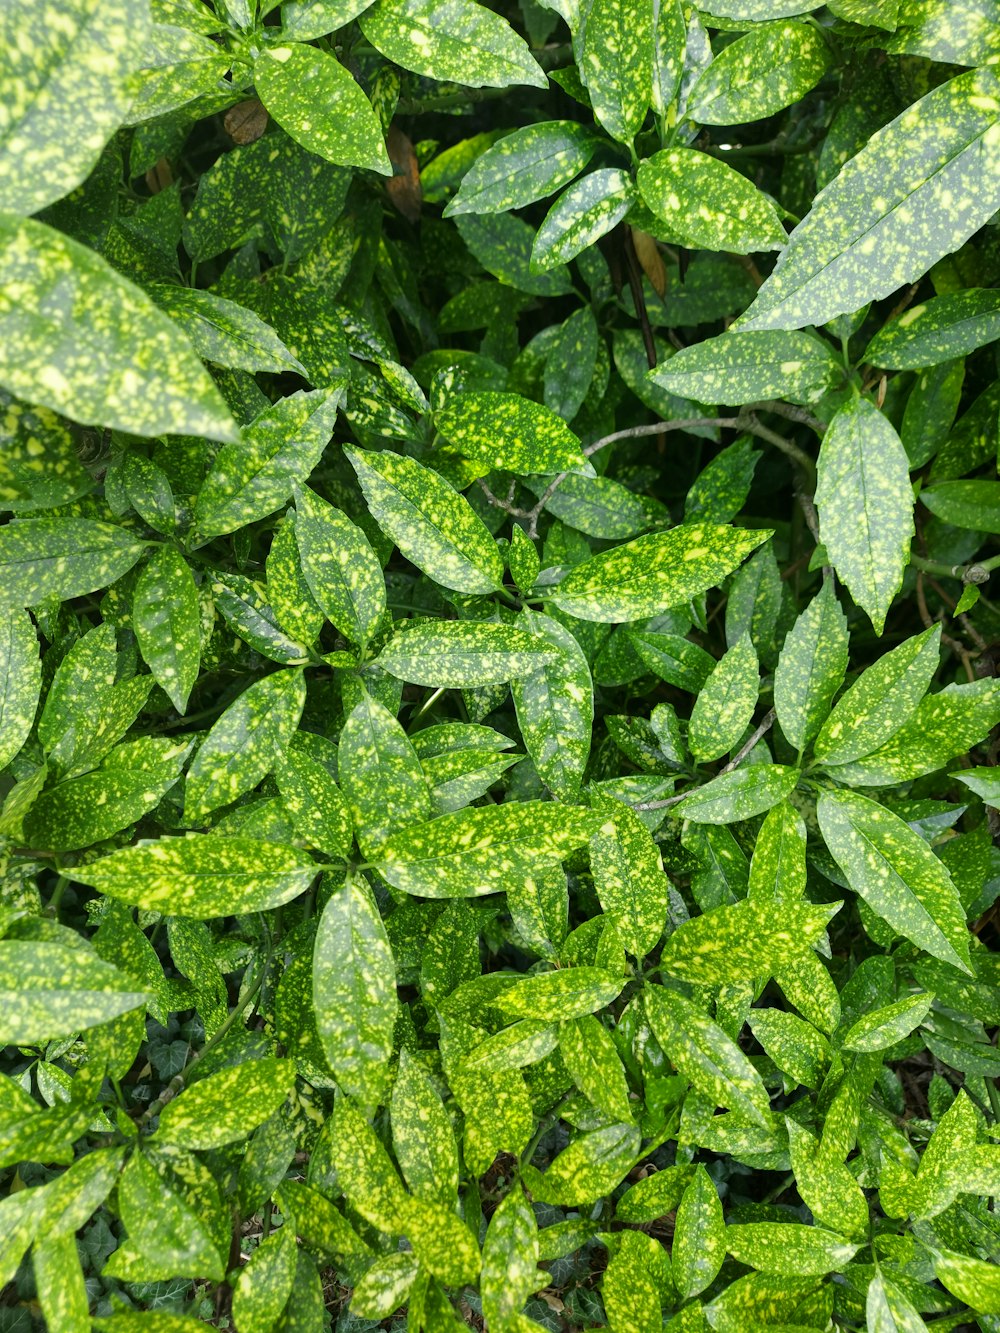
[{"x": 497, "y": 692}]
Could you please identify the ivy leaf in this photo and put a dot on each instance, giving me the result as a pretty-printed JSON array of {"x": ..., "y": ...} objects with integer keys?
[
  {"x": 554, "y": 703},
  {"x": 58, "y": 61},
  {"x": 62, "y": 558},
  {"x": 451, "y": 40},
  {"x": 811, "y": 668},
  {"x": 628, "y": 876},
  {"x": 317, "y": 101},
  {"x": 772, "y": 67},
  {"x": 340, "y": 567},
  {"x": 865, "y": 505},
  {"x": 788, "y": 1248},
  {"x": 20, "y": 681},
  {"x": 166, "y": 617},
  {"x": 892, "y": 868},
  {"x": 725, "y": 705},
  {"x": 504, "y": 430},
  {"x": 738, "y": 795},
  {"x": 222, "y": 1107},
  {"x": 581, "y": 215},
  {"x": 354, "y": 991},
  {"x": 889, "y": 215},
  {"x": 422, "y": 1136},
  {"x": 659, "y": 570},
  {"x": 433, "y": 525},
  {"x": 616, "y": 60},
  {"x": 81, "y": 339},
  {"x": 740, "y": 368},
  {"x": 456, "y": 653},
  {"x": 699, "y": 1245},
  {"x": 703, "y": 203},
  {"x": 223, "y": 331},
  {"x": 201, "y": 876},
  {"x": 245, "y": 743},
  {"x": 54, "y": 990},
  {"x": 526, "y": 165},
  {"x": 381, "y": 775}
]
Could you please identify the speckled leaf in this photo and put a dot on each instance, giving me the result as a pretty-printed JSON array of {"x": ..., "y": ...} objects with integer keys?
[
  {"x": 569, "y": 372},
  {"x": 788, "y": 1248},
  {"x": 364, "y": 1171},
  {"x": 53, "y": 990},
  {"x": 589, "y": 1053},
  {"x": 539, "y": 906},
  {"x": 741, "y": 794},
  {"x": 318, "y": 102},
  {"x": 938, "y": 330},
  {"x": 169, "y": 1235},
  {"x": 380, "y": 775},
  {"x": 223, "y": 331},
  {"x": 615, "y": 65},
  {"x": 81, "y": 339},
  {"x": 720, "y": 490},
  {"x": 263, "y": 1285},
  {"x": 889, "y": 1310},
  {"x": 725, "y": 705},
  {"x": 673, "y": 659},
  {"x": 433, "y": 525},
  {"x": 504, "y": 430},
  {"x": 245, "y": 743},
  {"x": 178, "y": 66},
  {"x": 883, "y": 1027},
  {"x": 340, "y": 567},
  {"x": 287, "y": 589},
  {"x": 637, "y": 1282},
  {"x": 880, "y": 701},
  {"x": 422, "y": 1134},
  {"x": 20, "y": 680},
  {"x": 890, "y": 213},
  {"x": 510, "y": 1258},
  {"x": 565, "y": 993},
  {"x": 502, "y": 244},
  {"x": 826, "y": 1185},
  {"x": 315, "y": 803},
  {"x": 306, "y": 20},
  {"x": 778, "y": 867},
  {"x": 201, "y": 876},
  {"x": 654, "y": 1196},
  {"x": 865, "y": 505},
  {"x": 703, "y": 1053},
  {"x": 973, "y": 1281},
  {"x": 669, "y": 49},
  {"x": 740, "y": 368},
  {"x": 811, "y": 668},
  {"x": 892, "y": 868},
  {"x": 554, "y": 703},
  {"x": 773, "y": 66},
  {"x": 628, "y": 875},
  {"x": 699, "y": 1244},
  {"x": 62, "y": 558},
  {"x": 456, "y": 653},
  {"x": 454, "y": 40},
  {"x": 441, "y": 1240},
  {"x": 793, "y": 1044},
  {"x": 166, "y": 618},
  {"x": 960, "y": 32},
  {"x": 985, "y": 782},
  {"x": 277, "y": 451},
  {"x": 475, "y": 851},
  {"x": 60, "y": 61},
  {"x": 759, "y": 10},
  {"x": 40, "y": 465},
  {"x": 592, "y": 1166},
  {"x": 385, "y": 1286},
  {"x": 244, "y": 606},
  {"x": 223, "y": 1107},
  {"x": 62, "y": 1293},
  {"x": 525, "y": 1042},
  {"x": 703, "y": 203},
  {"x": 354, "y": 991},
  {"x": 965, "y": 504},
  {"x": 581, "y": 215},
  {"x": 738, "y": 942},
  {"x": 654, "y": 572},
  {"x": 526, "y": 165}
]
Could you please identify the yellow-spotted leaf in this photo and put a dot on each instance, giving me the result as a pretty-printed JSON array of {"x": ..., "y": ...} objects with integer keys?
[
  {"x": 224, "y": 1106},
  {"x": 811, "y": 668},
  {"x": 456, "y": 653},
  {"x": 740, "y": 794},
  {"x": 20, "y": 680},
  {"x": 725, "y": 704},
  {"x": 166, "y": 617},
  {"x": 741, "y": 368},
  {"x": 381, "y": 776},
  {"x": 699, "y": 1236},
  {"x": 526, "y": 165},
  {"x": 315, "y": 803},
  {"x": 617, "y": 59},
  {"x": 505, "y": 430},
  {"x": 422, "y": 1134},
  {"x": 788, "y": 1248},
  {"x": 510, "y": 1257},
  {"x": 771, "y": 67},
  {"x": 49, "y": 989},
  {"x": 581, "y": 215},
  {"x": 340, "y": 567},
  {"x": 62, "y": 558},
  {"x": 703, "y": 203},
  {"x": 748, "y": 939},
  {"x": 554, "y": 703},
  {"x": 628, "y": 875}
]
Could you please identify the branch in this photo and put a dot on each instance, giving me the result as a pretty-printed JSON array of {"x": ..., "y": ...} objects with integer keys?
[{"x": 737, "y": 759}]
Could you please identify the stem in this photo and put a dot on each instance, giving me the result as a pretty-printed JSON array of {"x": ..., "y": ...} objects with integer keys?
[
  {"x": 979, "y": 572},
  {"x": 765, "y": 726},
  {"x": 57, "y": 893}
]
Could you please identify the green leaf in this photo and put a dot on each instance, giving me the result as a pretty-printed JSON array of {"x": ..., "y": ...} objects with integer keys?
[
  {"x": 591, "y": 1057},
  {"x": 245, "y": 743},
  {"x": 20, "y": 681},
  {"x": 315, "y": 803},
  {"x": 502, "y": 244},
  {"x": 757, "y": 11},
  {"x": 306, "y": 20},
  {"x": 523, "y": 166},
  {"x": 699, "y": 1245},
  {"x": 277, "y": 451},
  {"x": 385, "y": 1287},
  {"x": 58, "y": 61},
  {"x": 287, "y": 588},
  {"x": 675, "y": 660},
  {"x": 62, "y": 1293},
  {"x": 581, "y": 215},
  {"x": 963, "y": 33},
  {"x": 972, "y": 1280},
  {"x": 169, "y": 1234},
  {"x": 592, "y": 1166},
  {"x": 264, "y": 1284},
  {"x": 637, "y": 1281},
  {"x": 166, "y": 617},
  {"x": 793, "y": 1044},
  {"x": 659, "y": 570},
  {"x": 340, "y": 567},
  {"x": 985, "y": 782},
  {"x": 539, "y": 908},
  {"x": 881, "y": 700},
  {"x": 62, "y": 558},
  {"x": 773, "y": 66},
  {"x": 888, "y": 1310},
  {"x": 702, "y": 1052},
  {"x": 554, "y": 703},
  {"x": 504, "y": 430},
  {"x": 724, "y": 707},
  {"x": 201, "y": 876},
  {"x": 317, "y": 101},
  {"x": 454, "y": 40},
  {"x": 826, "y": 1185},
  {"x": 628, "y": 876},
  {"x": 433, "y": 525},
  {"x": 720, "y": 490},
  {"x": 615, "y": 63},
  {"x": 566, "y": 993},
  {"x": 222, "y": 1107},
  {"x": 741, "y": 368},
  {"x": 965, "y": 504},
  {"x": 892, "y": 868},
  {"x": 865, "y": 505},
  {"x": 510, "y": 1258},
  {"x": 78, "y": 337},
  {"x": 224, "y": 332},
  {"x": 883, "y": 1027},
  {"x": 456, "y": 653},
  {"x": 938, "y": 330},
  {"x": 788, "y": 1248},
  {"x": 741, "y": 794},
  {"x": 354, "y": 991},
  {"x": 476, "y": 851},
  {"x": 178, "y": 67},
  {"x": 54, "y": 990},
  {"x": 811, "y": 668},
  {"x": 381, "y": 775},
  {"x": 778, "y": 867},
  {"x": 743, "y": 941},
  {"x": 244, "y": 605},
  {"x": 889, "y": 214},
  {"x": 703, "y": 203},
  {"x": 364, "y": 1171},
  {"x": 422, "y": 1134},
  {"x": 654, "y": 1196}
]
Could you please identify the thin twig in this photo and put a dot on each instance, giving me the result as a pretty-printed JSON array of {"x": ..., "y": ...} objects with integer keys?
[{"x": 765, "y": 726}]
